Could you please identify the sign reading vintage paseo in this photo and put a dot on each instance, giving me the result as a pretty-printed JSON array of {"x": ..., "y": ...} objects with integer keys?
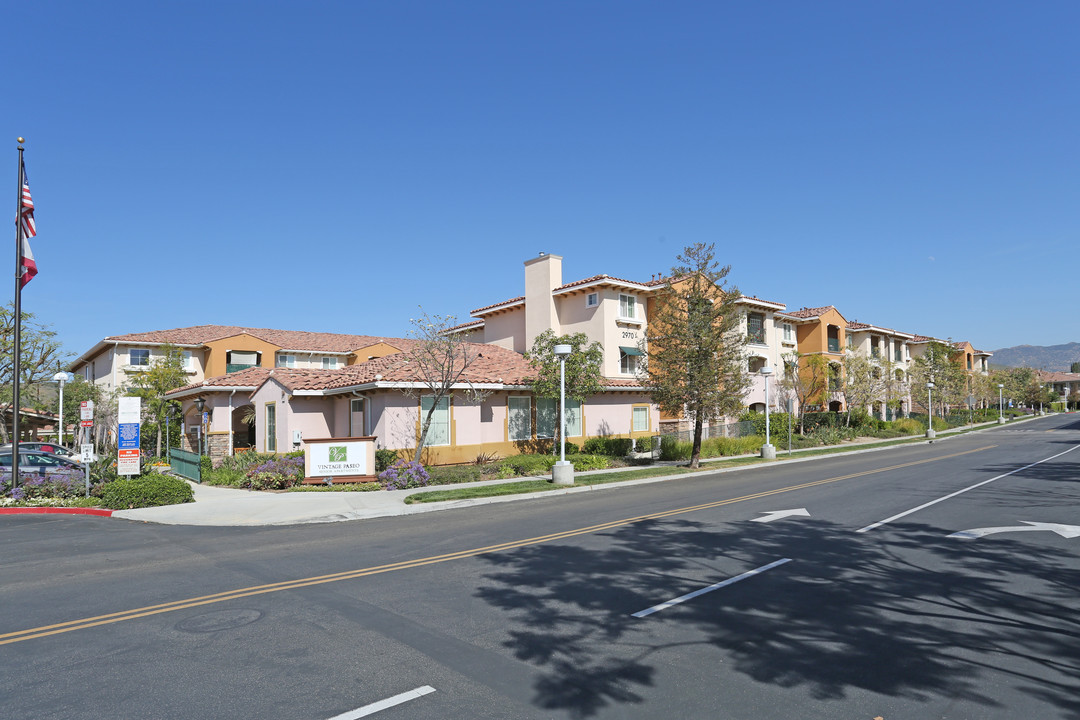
[{"x": 339, "y": 458}]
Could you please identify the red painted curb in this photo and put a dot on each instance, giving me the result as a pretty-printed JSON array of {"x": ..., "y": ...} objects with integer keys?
[{"x": 55, "y": 511}]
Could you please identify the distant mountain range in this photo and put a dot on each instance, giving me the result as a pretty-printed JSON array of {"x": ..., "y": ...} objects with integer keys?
[{"x": 1041, "y": 357}]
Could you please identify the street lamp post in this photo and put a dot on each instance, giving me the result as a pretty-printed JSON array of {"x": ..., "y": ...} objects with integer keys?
[
  {"x": 562, "y": 472},
  {"x": 768, "y": 452},
  {"x": 1001, "y": 403},
  {"x": 930, "y": 434},
  {"x": 61, "y": 377}
]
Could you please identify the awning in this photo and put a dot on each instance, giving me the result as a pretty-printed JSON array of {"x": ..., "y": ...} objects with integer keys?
[{"x": 631, "y": 350}]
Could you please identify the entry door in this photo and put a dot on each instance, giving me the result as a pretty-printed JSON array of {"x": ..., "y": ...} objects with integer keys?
[{"x": 356, "y": 418}]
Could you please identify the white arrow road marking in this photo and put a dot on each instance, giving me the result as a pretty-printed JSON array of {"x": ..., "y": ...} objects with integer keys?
[
  {"x": 777, "y": 514},
  {"x": 1065, "y": 531}
]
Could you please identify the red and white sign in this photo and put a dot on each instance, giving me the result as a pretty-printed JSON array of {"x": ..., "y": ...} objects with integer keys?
[
  {"x": 128, "y": 462},
  {"x": 86, "y": 410},
  {"x": 86, "y": 423}
]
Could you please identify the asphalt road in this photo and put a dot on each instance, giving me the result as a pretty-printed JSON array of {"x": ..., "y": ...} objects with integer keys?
[{"x": 865, "y": 607}]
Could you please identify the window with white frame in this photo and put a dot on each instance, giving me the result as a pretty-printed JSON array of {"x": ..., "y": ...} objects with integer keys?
[
  {"x": 628, "y": 307},
  {"x": 329, "y": 363},
  {"x": 628, "y": 360},
  {"x": 547, "y": 414},
  {"x": 640, "y": 419},
  {"x": 592, "y": 300},
  {"x": 271, "y": 427},
  {"x": 439, "y": 429},
  {"x": 789, "y": 335},
  {"x": 185, "y": 360},
  {"x": 519, "y": 411},
  {"x": 286, "y": 361},
  {"x": 139, "y": 357},
  {"x": 755, "y": 328}
]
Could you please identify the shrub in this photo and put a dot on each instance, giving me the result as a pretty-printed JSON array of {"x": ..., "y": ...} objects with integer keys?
[
  {"x": 402, "y": 475},
  {"x": 611, "y": 446},
  {"x": 643, "y": 444},
  {"x": 276, "y": 474},
  {"x": 582, "y": 463},
  {"x": 673, "y": 449},
  {"x": 384, "y": 458},
  {"x": 778, "y": 423},
  {"x": 725, "y": 447},
  {"x": 452, "y": 474},
  {"x": 530, "y": 464},
  {"x": 146, "y": 491}
]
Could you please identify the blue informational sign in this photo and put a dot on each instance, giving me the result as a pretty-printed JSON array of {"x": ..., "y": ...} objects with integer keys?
[{"x": 129, "y": 436}]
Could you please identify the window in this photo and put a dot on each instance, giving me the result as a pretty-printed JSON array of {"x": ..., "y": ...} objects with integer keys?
[
  {"x": 755, "y": 364},
  {"x": 139, "y": 357},
  {"x": 640, "y": 419},
  {"x": 271, "y": 427},
  {"x": 547, "y": 414},
  {"x": 627, "y": 307},
  {"x": 628, "y": 360},
  {"x": 356, "y": 418},
  {"x": 573, "y": 418},
  {"x": 592, "y": 300},
  {"x": 520, "y": 418},
  {"x": 875, "y": 348},
  {"x": 329, "y": 363},
  {"x": 439, "y": 430},
  {"x": 185, "y": 360},
  {"x": 286, "y": 361},
  {"x": 788, "y": 334},
  {"x": 755, "y": 328},
  {"x": 898, "y": 352}
]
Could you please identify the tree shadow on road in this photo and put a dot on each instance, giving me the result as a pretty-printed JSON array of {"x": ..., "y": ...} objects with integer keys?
[{"x": 906, "y": 613}]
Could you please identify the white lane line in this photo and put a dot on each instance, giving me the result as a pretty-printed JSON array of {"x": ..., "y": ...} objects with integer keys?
[
  {"x": 702, "y": 591},
  {"x": 384, "y": 704},
  {"x": 960, "y": 492}
]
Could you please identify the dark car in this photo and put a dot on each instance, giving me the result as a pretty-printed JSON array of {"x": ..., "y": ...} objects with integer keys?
[
  {"x": 35, "y": 461},
  {"x": 42, "y": 446}
]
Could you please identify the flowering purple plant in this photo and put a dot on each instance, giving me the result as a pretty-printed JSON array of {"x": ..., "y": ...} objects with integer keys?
[
  {"x": 33, "y": 486},
  {"x": 276, "y": 474},
  {"x": 402, "y": 475}
]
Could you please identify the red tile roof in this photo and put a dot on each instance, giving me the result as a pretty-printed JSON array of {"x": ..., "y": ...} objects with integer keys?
[
  {"x": 810, "y": 312},
  {"x": 286, "y": 339}
]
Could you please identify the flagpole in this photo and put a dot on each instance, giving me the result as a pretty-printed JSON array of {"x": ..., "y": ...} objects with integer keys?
[{"x": 17, "y": 348}]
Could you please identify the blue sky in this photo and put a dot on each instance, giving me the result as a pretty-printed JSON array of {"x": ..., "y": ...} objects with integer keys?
[{"x": 331, "y": 166}]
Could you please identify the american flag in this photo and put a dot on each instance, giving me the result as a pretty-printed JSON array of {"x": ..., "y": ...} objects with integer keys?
[{"x": 27, "y": 230}]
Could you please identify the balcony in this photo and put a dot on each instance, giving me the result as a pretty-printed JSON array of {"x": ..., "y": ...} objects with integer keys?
[
  {"x": 237, "y": 367},
  {"x": 834, "y": 345}
]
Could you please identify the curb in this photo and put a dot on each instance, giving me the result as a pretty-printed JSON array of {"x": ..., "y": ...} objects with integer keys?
[{"x": 55, "y": 511}]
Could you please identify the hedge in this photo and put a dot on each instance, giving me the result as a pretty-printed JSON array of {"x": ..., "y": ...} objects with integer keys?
[{"x": 146, "y": 491}]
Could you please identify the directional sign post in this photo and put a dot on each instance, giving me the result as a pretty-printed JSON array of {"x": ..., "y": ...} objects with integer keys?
[{"x": 127, "y": 438}]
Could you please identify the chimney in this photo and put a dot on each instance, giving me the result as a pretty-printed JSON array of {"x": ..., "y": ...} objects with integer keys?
[{"x": 542, "y": 275}]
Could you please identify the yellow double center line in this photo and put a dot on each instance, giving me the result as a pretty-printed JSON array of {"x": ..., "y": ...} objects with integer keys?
[{"x": 90, "y": 622}]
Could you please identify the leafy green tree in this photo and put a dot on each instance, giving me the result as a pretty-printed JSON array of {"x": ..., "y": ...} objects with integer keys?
[
  {"x": 165, "y": 373},
  {"x": 583, "y": 376},
  {"x": 41, "y": 357},
  {"x": 440, "y": 360},
  {"x": 75, "y": 392},
  {"x": 938, "y": 365},
  {"x": 695, "y": 341},
  {"x": 1075, "y": 367},
  {"x": 863, "y": 382},
  {"x": 806, "y": 377}
]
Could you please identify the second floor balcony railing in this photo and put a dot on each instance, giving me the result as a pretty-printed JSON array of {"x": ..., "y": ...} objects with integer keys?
[
  {"x": 237, "y": 367},
  {"x": 834, "y": 345}
]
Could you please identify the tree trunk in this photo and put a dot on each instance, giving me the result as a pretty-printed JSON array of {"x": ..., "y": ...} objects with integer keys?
[
  {"x": 695, "y": 453},
  {"x": 424, "y": 430}
]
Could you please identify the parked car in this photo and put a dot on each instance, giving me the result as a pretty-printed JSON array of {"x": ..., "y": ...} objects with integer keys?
[
  {"x": 35, "y": 461},
  {"x": 43, "y": 446}
]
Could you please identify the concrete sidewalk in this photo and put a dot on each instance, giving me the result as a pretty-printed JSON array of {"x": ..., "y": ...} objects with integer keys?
[{"x": 217, "y": 506}]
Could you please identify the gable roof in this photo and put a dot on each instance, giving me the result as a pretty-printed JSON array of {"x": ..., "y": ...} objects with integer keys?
[{"x": 291, "y": 340}]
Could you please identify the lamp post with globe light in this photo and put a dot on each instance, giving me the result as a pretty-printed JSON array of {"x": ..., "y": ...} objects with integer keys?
[
  {"x": 930, "y": 434},
  {"x": 562, "y": 472},
  {"x": 768, "y": 451}
]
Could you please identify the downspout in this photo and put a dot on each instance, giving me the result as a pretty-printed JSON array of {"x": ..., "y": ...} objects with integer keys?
[{"x": 115, "y": 362}]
